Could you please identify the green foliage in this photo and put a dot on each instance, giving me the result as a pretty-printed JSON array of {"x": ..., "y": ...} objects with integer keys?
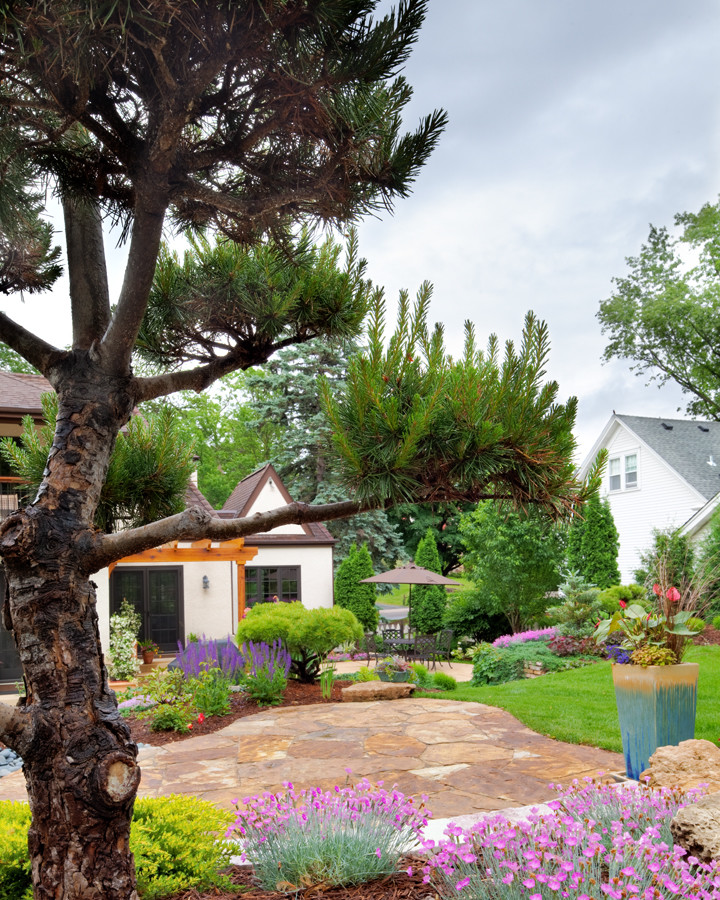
[
  {"x": 264, "y": 688},
  {"x": 443, "y": 519},
  {"x": 444, "y": 682},
  {"x": 284, "y": 397},
  {"x": 628, "y": 593},
  {"x": 176, "y": 716},
  {"x": 709, "y": 562},
  {"x": 10, "y": 361},
  {"x": 514, "y": 560},
  {"x": 365, "y": 673},
  {"x": 221, "y": 426},
  {"x": 413, "y": 423},
  {"x": 350, "y": 594},
  {"x": 175, "y": 841},
  {"x": 149, "y": 468},
  {"x": 650, "y": 655},
  {"x": 716, "y": 622},
  {"x": 178, "y": 845},
  {"x": 671, "y": 558},
  {"x": 579, "y": 613},
  {"x": 696, "y": 625},
  {"x": 308, "y": 634},
  {"x": 593, "y": 544},
  {"x": 211, "y": 692},
  {"x": 166, "y": 685},
  {"x": 124, "y": 629},
  {"x": 494, "y": 665},
  {"x": 428, "y": 601},
  {"x": 15, "y": 874},
  {"x": 467, "y": 614},
  {"x": 664, "y": 315}
]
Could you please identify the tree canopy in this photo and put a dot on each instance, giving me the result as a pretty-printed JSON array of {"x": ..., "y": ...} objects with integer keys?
[
  {"x": 664, "y": 315},
  {"x": 242, "y": 121}
]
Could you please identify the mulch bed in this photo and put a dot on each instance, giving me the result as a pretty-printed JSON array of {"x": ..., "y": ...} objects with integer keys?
[
  {"x": 399, "y": 886},
  {"x": 296, "y": 694},
  {"x": 710, "y": 635}
]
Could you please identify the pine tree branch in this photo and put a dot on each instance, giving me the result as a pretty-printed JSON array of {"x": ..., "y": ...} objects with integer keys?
[
  {"x": 99, "y": 550},
  {"x": 89, "y": 294},
  {"x": 32, "y": 348}
]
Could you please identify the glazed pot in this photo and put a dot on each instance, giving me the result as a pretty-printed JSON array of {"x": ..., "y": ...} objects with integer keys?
[
  {"x": 656, "y": 707},
  {"x": 395, "y": 676}
]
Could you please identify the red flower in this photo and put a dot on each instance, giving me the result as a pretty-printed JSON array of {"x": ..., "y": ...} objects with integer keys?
[
  {"x": 201, "y": 718},
  {"x": 189, "y": 724},
  {"x": 673, "y": 594},
  {"x": 622, "y": 603},
  {"x": 657, "y": 590}
]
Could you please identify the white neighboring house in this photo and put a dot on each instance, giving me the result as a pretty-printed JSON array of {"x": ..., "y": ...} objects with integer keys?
[{"x": 661, "y": 473}]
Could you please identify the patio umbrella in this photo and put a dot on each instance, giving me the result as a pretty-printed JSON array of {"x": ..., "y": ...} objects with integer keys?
[{"x": 410, "y": 575}]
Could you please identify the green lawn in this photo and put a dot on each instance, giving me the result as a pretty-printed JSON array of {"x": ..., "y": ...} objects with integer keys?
[{"x": 578, "y": 706}]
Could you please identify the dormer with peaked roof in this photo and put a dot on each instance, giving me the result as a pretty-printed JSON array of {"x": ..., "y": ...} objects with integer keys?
[
  {"x": 262, "y": 491},
  {"x": 661, "y": 473}
]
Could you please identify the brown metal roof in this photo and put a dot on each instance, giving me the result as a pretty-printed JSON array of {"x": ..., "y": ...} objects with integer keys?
[{"x": 195, "y": 497}]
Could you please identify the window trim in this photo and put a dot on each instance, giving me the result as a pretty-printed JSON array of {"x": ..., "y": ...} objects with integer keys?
[{"x": 622, "y": 472}]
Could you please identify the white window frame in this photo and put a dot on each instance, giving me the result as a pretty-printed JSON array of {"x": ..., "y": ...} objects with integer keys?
[{"x": 619, "y": 461}]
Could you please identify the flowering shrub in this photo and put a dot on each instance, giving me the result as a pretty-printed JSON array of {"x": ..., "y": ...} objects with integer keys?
[
  {"x": 201, "y": 655},
  {"x": 539, "y": 634},
  {"x": 350, "y": 835},
  {"x": 601, "y": 843},
  {"x": 124, "y": 628},
  {"x": 267, "y": 674}
]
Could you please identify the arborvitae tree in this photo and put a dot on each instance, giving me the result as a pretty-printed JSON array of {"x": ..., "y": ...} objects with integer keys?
[
  {"x": 350, "y": 594},
  {"x": 574, "y": 555},
  {"x": 428, "y": 601},
  {"x": 600, "y": 544},
  {"x": 670, "y": 560},
  {"x": 240, "y": 121}
]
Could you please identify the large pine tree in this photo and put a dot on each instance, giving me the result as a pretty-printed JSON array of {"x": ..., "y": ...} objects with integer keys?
[{"x": 240, "y": 120}]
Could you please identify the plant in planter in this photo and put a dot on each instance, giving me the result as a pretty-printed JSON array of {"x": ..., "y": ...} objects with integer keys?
[
  {"x": 149, "y": 650},
  {"x": 656, "y": 693},
  {"x": 393, "y": 668}
]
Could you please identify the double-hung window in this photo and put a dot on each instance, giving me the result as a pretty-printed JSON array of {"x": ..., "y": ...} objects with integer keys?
[{"x": 623, "y": 472}]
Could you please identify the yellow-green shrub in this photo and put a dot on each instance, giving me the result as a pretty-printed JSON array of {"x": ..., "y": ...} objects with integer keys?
[
  {"x": 15, "y": 878},
  {"x": 177, "y": 841}
]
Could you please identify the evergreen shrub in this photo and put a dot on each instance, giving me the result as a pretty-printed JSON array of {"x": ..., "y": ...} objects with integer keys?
[
  {"x": 428, "y": 601},
  {"x": 350, "y": 593},
  {"x": 177, "y": 842},
  {"x": 309, "y": 635}
]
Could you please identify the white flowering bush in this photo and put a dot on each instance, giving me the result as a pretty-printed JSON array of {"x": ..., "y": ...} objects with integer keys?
[{"x": 124, "y": 629}]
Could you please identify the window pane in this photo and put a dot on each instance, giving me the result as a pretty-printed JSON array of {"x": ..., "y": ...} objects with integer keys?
[
  {"x": 615, "y": 483},
  {"x": 631, "y": 474},
  {"x": 289, "y": 586},
  {"x": 269, "y": 584},
  {"x": 614, "y": 466}
]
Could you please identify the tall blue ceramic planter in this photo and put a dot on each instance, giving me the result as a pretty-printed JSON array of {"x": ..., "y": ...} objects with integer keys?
[{"x": 656, "y": 707}]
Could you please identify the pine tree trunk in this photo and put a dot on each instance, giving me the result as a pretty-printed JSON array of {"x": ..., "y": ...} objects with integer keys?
[{"x": 79, "y": 760}]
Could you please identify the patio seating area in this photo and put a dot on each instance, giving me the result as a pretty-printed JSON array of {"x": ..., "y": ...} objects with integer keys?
[{"x": 396, "y": 640}]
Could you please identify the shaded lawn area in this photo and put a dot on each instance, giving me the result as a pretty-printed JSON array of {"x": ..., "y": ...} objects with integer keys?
[{"x": 578, "y": 706}]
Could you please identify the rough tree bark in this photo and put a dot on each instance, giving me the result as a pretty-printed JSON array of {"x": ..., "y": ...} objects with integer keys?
[{"x": 79, "y": 760}]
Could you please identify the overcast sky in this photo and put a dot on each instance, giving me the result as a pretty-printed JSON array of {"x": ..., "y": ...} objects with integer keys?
[{"x": 573, "y": 125}]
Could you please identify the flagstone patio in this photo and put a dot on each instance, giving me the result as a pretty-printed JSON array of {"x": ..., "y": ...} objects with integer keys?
[{"x": 466, "y": 757}]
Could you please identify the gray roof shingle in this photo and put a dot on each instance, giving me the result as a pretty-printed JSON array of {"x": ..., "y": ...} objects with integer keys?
[{"x": 690, "y": 446}]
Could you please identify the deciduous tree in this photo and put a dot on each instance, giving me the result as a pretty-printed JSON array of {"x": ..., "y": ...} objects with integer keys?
[{"x": 664, "y": 315}]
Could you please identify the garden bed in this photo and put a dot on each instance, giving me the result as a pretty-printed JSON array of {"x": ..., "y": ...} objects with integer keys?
[
  {"x": 399, "y": 886},
  {"x": 296, "y": 694}
]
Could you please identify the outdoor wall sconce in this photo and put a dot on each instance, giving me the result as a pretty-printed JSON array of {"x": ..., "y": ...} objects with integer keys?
[{"x": 206, "y": 582}]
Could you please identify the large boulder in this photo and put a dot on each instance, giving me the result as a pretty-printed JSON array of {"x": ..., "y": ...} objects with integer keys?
[
  {"x": 686, "y": 766},
  {"x": 697, "y": 828},
  {"x": 376, "y": 690}
]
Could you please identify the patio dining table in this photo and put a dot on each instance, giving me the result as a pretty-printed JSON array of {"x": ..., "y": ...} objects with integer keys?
[{"x": 400, "y": 645}]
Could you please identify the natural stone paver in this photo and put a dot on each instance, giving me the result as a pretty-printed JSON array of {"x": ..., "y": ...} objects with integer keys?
[{"x": 467, "y": 757}]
